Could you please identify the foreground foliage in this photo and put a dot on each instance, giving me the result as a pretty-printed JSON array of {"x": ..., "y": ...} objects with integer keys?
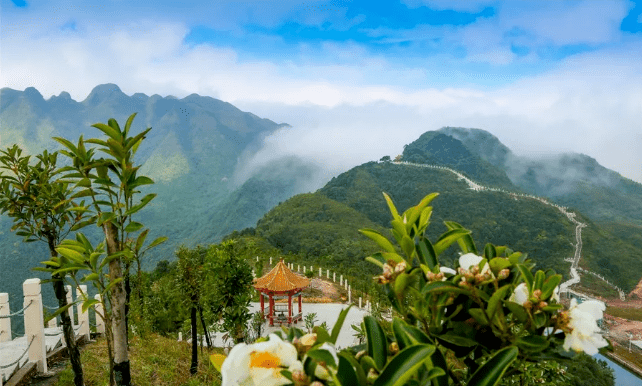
[{"x": 491, "y": 317}]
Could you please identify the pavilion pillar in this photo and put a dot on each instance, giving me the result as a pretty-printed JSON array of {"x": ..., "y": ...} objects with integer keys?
[
  {"x": 262, "y": 305},
  {"x": 300, "y": 312},
  {"x": 271, "y": 311},
  {"x": 289, "y": 307}
]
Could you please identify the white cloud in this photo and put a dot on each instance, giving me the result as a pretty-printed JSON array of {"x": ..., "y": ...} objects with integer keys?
[{"x": 359, "y": 110}]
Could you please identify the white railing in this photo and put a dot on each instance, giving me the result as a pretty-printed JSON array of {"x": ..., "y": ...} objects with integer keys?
[{"x": 38, "y": 341}]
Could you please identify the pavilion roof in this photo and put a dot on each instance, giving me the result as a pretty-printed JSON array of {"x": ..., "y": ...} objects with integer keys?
[{"x": 281, "y": 279}]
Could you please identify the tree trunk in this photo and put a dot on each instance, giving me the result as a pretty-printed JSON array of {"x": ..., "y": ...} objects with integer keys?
[
  {"x": 194, "y": 367},
  {"x": 207, "y": 335},
  {"x": 118, "y": 300},
  {"x": 67, "y": 327},
  {"x": 128, "y": 292}
]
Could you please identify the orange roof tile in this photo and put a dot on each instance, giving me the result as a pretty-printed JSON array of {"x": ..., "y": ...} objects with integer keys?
[{"x": 281, "y": 278}]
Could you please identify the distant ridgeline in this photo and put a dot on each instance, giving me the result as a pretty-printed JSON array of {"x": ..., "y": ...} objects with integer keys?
[
  {"x": 312, "y": 224},
  {"x": 191, "y": 153},
  {"x": 197, "y": 144}
]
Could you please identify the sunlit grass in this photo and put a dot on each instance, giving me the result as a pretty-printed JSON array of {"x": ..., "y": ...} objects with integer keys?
[{"x": 155, "y": 360}]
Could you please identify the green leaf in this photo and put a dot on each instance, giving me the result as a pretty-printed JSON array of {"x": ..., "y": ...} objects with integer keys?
[
  {"x": 527, "y": 275},
  {"x": 549, "y": 286},
  {"x": 322, "y": 356},
  {"x": 439, "y": 361},
  {"x": 439, "y": 287},
  {"x": 532, "y": 343},
  {"x": 489, "y": 251},
  {"x": 408, "y": 246},
  {"x": 71, "y": 254},
  {"x": 157, "y": 241},
  {"x": 538, "y": 281},
  {"x": 379, "y": 239},
  {"x": 133, "y": 227},
  {"x": 376, "y": 259},
  {"x": 105, "y": 217},
  {"x": 112, "y": 284},
  {"x": 334, "y": 335},
  {"x": 350, "y": 371},
  {"x": 426, "y": 253},
  {"x": 407, "y": 335},
  {"x": 496, "y": 300},
  {"x": 109, "y": 131},
  {"x": 143, "y": 202},
  {"x": 141, "y": 239},
  {"x": 518, "y": 311},
  {"x": 88, "y": 303},
  {"x": 139, "y": 181},
  {"x": 322, "y": 334},
  {"x": 91, "y": 277},
  {"x": 457, "y": 340},
  {"x": 491, "y": 372},
  {"x": 498, "y": 263},
  {"x": 479, "y": 316},
  {"x": 448, "y": 238},
  {"x": 402, "y": 282},
  {"x": 61, "y": 310},
  {"x": 377, "y": 342},
  {"x": 404, "y": 365},
  {"x": 466, "y": 243}
]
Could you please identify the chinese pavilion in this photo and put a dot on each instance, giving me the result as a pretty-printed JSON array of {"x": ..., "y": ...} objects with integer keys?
[{"x": 279, "y": 282}]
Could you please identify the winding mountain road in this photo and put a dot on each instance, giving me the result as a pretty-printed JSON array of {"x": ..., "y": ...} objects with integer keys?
[{"x": 575, "y": 277}]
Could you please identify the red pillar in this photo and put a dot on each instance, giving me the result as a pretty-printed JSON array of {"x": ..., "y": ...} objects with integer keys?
[
  {"x": 300, "y": 312},
  {"x": 289, "y": 307},
  {"x": 262, "y": 305},
  {"x": 271, "y": 310}
]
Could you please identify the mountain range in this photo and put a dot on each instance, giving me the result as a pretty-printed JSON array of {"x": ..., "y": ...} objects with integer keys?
[{"x": 197, "y": 144}]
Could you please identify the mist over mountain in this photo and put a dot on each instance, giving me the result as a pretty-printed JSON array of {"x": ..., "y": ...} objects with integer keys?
[{"x": 194, "y": 152}]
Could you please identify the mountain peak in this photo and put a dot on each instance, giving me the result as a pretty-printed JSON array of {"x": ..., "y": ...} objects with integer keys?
[
  {"x": 103, "y": 92},
  {"x": 33, "y": 95}
]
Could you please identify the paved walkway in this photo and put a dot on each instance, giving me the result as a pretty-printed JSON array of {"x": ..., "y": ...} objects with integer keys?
[
  {"x": 326, "y": 312},
  {"x": 12, "y": 351}
]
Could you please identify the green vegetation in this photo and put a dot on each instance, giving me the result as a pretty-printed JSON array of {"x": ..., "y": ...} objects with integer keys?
[
  {"x": 630, "y": 313},
  {"x": 156, "y": 361}
]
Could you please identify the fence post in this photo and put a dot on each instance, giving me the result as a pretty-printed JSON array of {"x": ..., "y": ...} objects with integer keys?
[
  {"x": 327, "y": 273},
  {"x": 100, "y": 312},
  {"x": 320, "y": 273},
  {"x": 359, "y": 301},
  {"x": 69, "y": 301},
  {"x": 341, "y": 280},
  {"x": 5, "y": 323},
  {"x": 305, "y": 269},
  {"x": 270, "y": 260},
  {"x": 52, "y": 323},
  {"x": 83, "y": 317},
  {"x": 349, "y": 295},
  {"x": 298, "y": 267},
  {"x": 34, "y": 326},
  {"x": 334, "y": 277}
]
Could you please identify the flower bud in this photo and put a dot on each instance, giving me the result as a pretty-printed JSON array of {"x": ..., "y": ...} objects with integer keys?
[
  {"x": 372, "y": 375},
  {"x": 479, "y": 277},
  {"x": 308, "y": 339},
  {"x": 316, "y": 383},
  {"x": 537, "y": 293},
  {"x": 299, "y": 378},
  {"x": 387, "y": 271},
  {"x": 360, "y": 354},
  {"x": 401, "y": 267},
  {"x": 503, "y": 274},
  {"x": 542, "y": 304},
  {"x": 393, "y": 348},
  {"x": 430, "y": 276}
]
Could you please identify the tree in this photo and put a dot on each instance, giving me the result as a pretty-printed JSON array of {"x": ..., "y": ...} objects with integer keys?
[
  {"x": 112, "y": 184},
  {"x": 231, "y": 288},
  {"x": 38, "y": 204},
  {"x": 385, "y": 158},
  {"x": 190, "y": 279}
]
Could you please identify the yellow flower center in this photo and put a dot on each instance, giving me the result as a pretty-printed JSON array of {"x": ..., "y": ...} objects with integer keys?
[{"x": 264, "y": 359}]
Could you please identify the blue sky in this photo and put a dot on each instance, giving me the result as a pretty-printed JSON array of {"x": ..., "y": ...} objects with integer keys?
[{"x": 543, "y": 76}]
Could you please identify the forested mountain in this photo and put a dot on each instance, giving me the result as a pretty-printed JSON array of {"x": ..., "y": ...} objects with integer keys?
[
  {"x": 571, "y": 179},
  {"x": 300, "y": 225},
  {"x": 191, "y": 153}
]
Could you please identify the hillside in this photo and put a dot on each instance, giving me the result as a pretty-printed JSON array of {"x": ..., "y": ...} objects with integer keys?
[
  {"x": 300, "y": 225},
  {"x": 192, "y": 152},
  {"x": 573, "y": 180}
]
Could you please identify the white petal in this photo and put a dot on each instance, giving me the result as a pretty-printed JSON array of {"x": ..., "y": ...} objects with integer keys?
[
  {"x": 236, "y": 367},
  {"x": 593, "y": 307},
  {"x": 447, "y": 270},
  {"x": 520, "y": 295},
  {"x": 468, "y": 260}
]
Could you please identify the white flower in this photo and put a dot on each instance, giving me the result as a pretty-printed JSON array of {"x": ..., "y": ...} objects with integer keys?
[
  {"x": 447, "y": 270},
  {"x": 470, "y": 260},
  {"x": 520, "y": 295},
  {"x": 584, "y": 334},
  {"x": 260, "y": 364}
]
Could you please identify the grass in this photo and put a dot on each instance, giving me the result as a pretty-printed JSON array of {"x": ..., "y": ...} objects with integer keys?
[
  {"x": 155, "y": 360},
  {"x": 594, "y": 286},
  {"x": 632, "y": 357},
  {"x": 630, "y": 313}
]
